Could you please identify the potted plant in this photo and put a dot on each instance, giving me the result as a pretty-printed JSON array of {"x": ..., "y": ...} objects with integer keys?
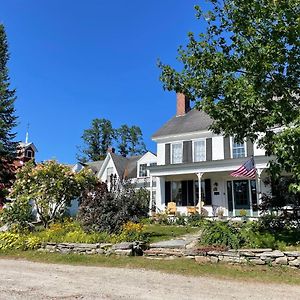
[
  {"x": 220, "y": 213},
  {"x": 243, "y": 214}
]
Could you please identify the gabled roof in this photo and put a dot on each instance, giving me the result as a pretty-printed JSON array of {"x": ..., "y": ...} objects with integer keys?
[
  {"x": 95, "y": 166},
  {"x": 126, "y": 166},
  {"x": 131, "y": 168},
  {"x": 27, "y": 145},
  {"x": 120, "y": 163},
  {"x": 194, "y": 120}
]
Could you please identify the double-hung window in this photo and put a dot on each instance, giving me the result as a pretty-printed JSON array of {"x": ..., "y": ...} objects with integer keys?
[
  {"x": 199, "y": 150},
  {"x": 143, "y": 170},
  {"x": 238, "y": 149},
  {"x": 109, "y": 173},
  {"x": 176, "y": 153}
]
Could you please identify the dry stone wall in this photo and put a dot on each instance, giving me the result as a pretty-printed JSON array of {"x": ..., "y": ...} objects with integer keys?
[
  {"x": 126, "y": 248},
  {"x": 241, "y": 256}
]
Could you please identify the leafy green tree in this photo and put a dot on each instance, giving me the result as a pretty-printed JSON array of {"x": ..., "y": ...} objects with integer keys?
[
  {"x": 123, "y": 136},
  {"x": 97, "y": 140},
  {"x": 130, "y": 140},
  {"x": 7, "y": 119},
  {"x": 244, "y": 71},
  {"x": 51, "y": 187}
]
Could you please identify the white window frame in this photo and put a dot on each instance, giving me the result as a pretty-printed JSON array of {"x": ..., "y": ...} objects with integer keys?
[
  {"x": 29, "y": 151},
  {"x": 148, "y": 165},
  {"x": 193, "y": 150},
  {"x": 171, "y": 152},
  {"x": 113, "y": 173},
  {"x": 231, "y": 148},
  {"x": 147, "y": 171}
]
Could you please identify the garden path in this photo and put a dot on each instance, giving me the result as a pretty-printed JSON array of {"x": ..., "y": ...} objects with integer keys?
[{"x": 183, "y": 242}]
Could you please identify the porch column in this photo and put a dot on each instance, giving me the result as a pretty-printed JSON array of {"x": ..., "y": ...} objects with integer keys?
[
  {"x": 160, "y": 194},
  {"x": 258, "y": 188},
  {"x": 151, "y": 195},
  {"x": 199, "y": 175}
]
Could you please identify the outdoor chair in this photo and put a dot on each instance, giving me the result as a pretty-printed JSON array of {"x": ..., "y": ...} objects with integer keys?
[
  {"x": 191, "y": 210},
  {"x": 171, "y": 208}
]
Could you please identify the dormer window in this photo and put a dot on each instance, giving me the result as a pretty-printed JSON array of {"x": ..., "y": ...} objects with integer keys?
[
  {"x": 238, "y": 149},
  {"x": 29, "y": 153},
  {"x": 176, "y": 153}
]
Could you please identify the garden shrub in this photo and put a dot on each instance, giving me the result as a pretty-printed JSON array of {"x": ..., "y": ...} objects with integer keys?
[
  {"x": 161, "y": 218},
  {"x": 131, "y": 232},
  {"x": 16, "y": 241},
  {"x": 103, "y": 210},
  {"x": 239, "y": 235},
  {"x": 180, "y": 220},
  {"x": 218, "y": 233},
  {"x": 17, "y": 213},
  {"x": 70, "y": 232}
]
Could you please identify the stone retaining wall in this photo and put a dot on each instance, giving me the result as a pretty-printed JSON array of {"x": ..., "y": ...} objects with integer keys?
[
  {"x": 252, "y": 256},
  {"x": 126, "y": 248},
  {"x": 241, "y": 256}
]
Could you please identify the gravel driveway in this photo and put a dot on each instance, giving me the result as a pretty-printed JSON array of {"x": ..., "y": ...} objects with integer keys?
[{"x": 29, "y": 280}]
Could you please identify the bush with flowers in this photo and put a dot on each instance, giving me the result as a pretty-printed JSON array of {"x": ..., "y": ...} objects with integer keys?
[{"x": 50, "y": 187}]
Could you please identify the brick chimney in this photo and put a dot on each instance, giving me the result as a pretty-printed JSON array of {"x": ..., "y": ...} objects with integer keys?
[{"x": 183, "y": 104}]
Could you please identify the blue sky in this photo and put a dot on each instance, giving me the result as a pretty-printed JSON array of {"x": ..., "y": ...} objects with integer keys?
[{"x": 72, "y": 61}]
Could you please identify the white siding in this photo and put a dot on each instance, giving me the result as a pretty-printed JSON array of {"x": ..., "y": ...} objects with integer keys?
[
  {"x": 258, "y": 151},
  {"x": 109, "y": 165},
  {"x": 217, "y": 147},
  {"x": 160, "y": 153},
  {"x": 148, "y": 158}
]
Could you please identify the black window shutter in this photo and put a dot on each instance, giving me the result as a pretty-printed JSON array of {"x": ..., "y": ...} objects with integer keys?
[
  {"x": 167, "y": 154},
  {"x": 207, "y": 200},
  {"x": 167, "y": 192},
  {"x": 229, "y": 196},
  {"x": 227, "y": 147},
  {"x": 209, "y": 149},
  {"x": 187, "y": 152},
  {"x": 250, "y": 151}
]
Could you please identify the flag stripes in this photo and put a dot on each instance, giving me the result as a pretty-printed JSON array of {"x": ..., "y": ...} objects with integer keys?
[{"x": 246, "y": 170}]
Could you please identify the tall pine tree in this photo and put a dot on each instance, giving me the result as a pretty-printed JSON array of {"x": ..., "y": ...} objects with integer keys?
[{"x": 7, "y": 119}]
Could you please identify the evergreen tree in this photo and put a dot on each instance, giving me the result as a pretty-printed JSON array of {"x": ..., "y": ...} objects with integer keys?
[{"x": 7, "y": 119}]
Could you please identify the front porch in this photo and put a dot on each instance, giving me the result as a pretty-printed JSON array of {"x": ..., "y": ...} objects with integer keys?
[{"x": 221, "y": 194}]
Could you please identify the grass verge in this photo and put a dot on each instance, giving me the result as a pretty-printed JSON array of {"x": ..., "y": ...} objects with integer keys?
[
  {"x": 177, "y": 266},
  {"x": 157, "y": 232}
]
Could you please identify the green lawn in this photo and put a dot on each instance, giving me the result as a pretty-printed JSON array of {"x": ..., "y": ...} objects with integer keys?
[
  {"x": 177, "y": 266},
  {"x": 158, "y": 232}
]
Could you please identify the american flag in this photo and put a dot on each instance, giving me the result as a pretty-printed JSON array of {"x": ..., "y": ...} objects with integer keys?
[{"x": 246, "y": 170}]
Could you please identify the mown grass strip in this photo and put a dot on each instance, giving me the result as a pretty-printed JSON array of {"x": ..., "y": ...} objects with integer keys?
[
  {"x": 177, "y": 266},
  {"x": 157, "y": 232}
]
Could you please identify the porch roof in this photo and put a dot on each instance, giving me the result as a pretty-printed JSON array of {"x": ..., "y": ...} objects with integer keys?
[{"x": 207, "y": 166}]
